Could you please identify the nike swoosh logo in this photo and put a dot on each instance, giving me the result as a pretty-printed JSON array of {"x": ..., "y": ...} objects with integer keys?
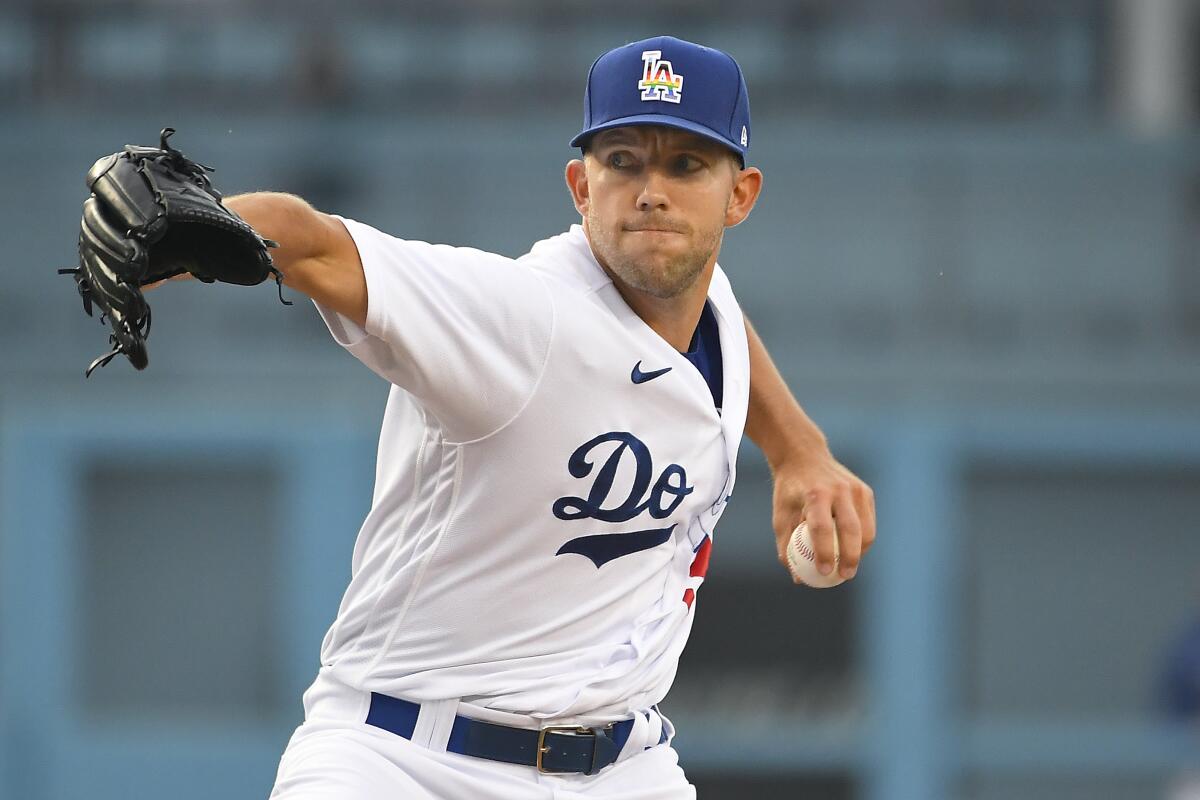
[{"x": 637, "y": 376}]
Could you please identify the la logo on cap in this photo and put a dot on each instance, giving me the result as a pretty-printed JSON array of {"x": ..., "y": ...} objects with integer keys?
[{"x": 659, "y": 81}]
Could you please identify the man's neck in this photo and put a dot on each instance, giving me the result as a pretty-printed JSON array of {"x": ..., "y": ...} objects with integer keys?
[{"x": 674, "y": 318}]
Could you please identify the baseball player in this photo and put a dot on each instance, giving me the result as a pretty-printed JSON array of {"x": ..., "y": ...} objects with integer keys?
[{"x": 558, "y": 446}]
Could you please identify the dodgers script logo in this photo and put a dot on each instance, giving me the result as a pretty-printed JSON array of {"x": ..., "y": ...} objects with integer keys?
[
  {"x": 659, "y": 81},
  {"x": 658, "y": 499}
]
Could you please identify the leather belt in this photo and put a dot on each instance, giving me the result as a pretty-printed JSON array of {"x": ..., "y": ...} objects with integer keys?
[{"x": 554, "y": 749}]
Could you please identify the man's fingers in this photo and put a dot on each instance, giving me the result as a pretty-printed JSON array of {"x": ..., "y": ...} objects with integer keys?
[
  {"x": 849, "y": 532},
  {"x": 864, "y": 501},
  {"x": 818, "y": 513}
]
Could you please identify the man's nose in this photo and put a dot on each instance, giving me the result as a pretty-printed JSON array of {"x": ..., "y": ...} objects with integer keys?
[{"x": 653, "y": 194}]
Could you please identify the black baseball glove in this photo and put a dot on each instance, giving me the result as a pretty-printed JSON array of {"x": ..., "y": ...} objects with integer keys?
[{"x": 153, "y": 214}]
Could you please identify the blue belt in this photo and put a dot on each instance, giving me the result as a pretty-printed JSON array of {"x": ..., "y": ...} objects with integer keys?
[{"x": 552, "y": 749}]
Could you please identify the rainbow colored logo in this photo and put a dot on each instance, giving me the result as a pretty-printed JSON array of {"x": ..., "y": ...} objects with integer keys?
[{"x": 659, "y": 81}]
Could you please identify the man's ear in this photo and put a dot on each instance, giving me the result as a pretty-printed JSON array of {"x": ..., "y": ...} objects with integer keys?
[
  {"x": 577, "y": 183},
  {"x": 747, "y": 184}
]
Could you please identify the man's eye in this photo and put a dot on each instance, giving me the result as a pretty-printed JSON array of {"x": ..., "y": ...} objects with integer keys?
[
  {"x": 686, "y": 163},
  {"x": 619, "y": 160}
]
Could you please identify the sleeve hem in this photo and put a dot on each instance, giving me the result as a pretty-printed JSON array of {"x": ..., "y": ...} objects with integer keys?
[
  {"x": 375, "y": 323},
  {"x": 344, "y": 330}
]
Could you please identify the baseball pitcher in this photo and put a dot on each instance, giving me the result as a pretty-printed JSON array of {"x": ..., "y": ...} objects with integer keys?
[{"x": 558, "y": 446}]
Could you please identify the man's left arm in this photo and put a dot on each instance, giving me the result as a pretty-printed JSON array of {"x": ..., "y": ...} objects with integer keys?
[{"x": 810, "y": 483}]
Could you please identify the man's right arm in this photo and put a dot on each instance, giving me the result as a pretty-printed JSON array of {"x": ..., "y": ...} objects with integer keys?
[{"x": 316, "y": 253}]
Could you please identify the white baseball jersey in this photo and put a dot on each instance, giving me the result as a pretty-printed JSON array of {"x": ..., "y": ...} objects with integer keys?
[{"x": 550, "y": 472}]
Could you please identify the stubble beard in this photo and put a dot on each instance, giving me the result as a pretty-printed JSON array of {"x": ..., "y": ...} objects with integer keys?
[{"x": 669, "y": 278}]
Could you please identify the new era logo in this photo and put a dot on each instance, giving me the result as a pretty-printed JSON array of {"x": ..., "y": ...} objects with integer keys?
[{"x": 659, "y": 81}]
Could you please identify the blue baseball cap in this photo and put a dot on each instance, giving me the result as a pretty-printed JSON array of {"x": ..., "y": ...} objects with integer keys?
[{"x": 667, "y": 81}]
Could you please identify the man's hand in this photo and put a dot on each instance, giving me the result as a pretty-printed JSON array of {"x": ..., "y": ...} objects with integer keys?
[{"x": 835, "y": 502}]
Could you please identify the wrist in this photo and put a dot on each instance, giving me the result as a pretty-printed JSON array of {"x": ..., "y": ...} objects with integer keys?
[{"x": 797, "y": 446}]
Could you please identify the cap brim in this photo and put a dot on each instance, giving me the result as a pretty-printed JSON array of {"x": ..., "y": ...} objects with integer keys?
[{"x": 665, "y": 121}]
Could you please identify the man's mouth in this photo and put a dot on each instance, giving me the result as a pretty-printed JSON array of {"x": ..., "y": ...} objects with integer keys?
[{"x": 650, "y": 229}]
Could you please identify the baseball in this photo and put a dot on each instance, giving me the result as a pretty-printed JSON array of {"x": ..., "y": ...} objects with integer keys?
[{"x": 802, "y": 560}]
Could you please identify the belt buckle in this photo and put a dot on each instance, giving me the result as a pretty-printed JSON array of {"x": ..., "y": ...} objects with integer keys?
[{"x": 543, "y": 748}]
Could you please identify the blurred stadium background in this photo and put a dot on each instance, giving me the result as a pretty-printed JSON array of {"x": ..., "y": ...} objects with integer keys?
[{"x": 976, "y": 260}]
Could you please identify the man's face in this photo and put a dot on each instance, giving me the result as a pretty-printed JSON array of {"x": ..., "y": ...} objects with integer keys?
[{"x": 655, "y": 202}]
